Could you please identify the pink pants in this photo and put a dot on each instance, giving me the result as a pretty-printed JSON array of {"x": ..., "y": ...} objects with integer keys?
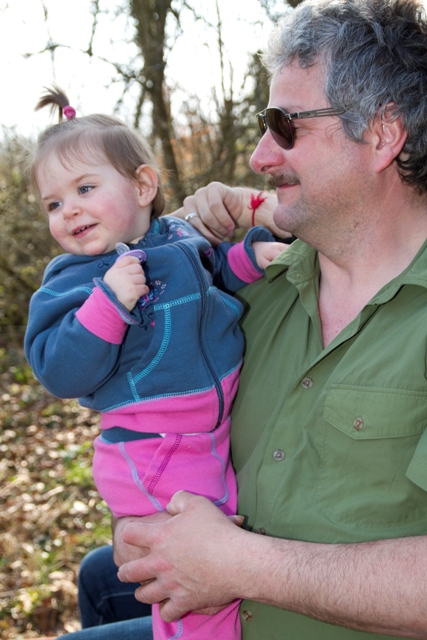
[{"x": 140, "y": 477}]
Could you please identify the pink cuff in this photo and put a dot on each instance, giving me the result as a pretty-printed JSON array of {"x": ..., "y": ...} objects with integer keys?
[
  {"x": 241, "y": 265},
  {"x": 99, "y": 316}
]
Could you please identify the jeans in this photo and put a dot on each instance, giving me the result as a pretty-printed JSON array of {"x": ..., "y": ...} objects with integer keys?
[
  {"x": 108, "y": 608},
  {"x": 136, "y": 629}
]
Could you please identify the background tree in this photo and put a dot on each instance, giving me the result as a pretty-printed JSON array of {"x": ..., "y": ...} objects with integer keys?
[
  {"x": 202, "y": 148},
  {"x": 50, "y": 512},
  {"x": 195, "y": 143},
  {"x": 25, "y": 244},
  {"x": 150, "y": 36},
  {"x": 227, "y": 140}
]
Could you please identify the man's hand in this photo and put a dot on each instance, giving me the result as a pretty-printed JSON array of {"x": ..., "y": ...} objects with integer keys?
[
  {"x": 126, "y": 279},
  {"x": 218, "y": 209},
  {"x": 194, "y": 558},
  {"x": 221, "y": 209},
  {"x": 124, "y": 552}
]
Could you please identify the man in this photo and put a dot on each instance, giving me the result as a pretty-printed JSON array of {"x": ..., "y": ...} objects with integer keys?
[{"x": 328, "y": 425}]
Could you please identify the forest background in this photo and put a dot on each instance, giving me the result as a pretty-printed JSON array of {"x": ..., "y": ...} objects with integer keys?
[{"x": 50, "y": 512}]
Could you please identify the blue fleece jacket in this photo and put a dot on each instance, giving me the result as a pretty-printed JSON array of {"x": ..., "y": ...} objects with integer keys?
[{"x": 181, "y": 340}]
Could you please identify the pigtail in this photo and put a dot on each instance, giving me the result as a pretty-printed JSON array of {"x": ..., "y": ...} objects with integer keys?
[{"x": 55, "y": 98}]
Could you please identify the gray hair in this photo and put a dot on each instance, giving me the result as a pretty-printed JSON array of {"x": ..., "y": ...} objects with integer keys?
[{"x": 374, "y": 53}]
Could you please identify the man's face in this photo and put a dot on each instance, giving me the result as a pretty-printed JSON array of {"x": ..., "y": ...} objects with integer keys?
[{"x": 320, "y": 181}]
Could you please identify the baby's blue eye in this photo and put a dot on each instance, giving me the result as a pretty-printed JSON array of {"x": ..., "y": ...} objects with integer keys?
[
  {"x": 53, "y": 205},
  {"x": 85, "y": 189}
]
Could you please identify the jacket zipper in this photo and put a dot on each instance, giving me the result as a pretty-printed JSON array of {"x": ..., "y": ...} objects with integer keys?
[{"x": 201, "y": 279}]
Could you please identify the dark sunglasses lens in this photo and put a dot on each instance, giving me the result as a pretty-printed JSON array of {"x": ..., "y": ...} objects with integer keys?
[{"x": 281, "y": 128}]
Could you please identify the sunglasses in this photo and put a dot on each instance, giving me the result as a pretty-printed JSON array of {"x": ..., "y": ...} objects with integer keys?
[{"x": 280, "y": 123}]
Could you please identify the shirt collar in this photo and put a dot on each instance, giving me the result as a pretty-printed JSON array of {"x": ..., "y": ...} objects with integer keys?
[
  {"x": 302, "y": 264},
  {"x": 299, "y": 260}
]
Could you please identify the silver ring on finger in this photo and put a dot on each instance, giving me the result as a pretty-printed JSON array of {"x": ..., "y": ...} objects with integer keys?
[{"x": 191, "y": 215}]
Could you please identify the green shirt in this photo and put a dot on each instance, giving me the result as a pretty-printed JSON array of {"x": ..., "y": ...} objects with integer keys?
[{"x": 329, "y": 444}]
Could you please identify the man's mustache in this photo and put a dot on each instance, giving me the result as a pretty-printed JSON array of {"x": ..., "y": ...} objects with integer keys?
[{"x": 282, "y": 179}]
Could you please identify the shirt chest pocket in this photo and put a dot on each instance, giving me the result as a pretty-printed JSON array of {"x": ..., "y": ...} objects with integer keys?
[{"x": 370, "y": 438}]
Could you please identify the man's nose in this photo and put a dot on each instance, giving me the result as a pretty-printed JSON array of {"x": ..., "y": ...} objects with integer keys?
[{"x": 267, "y": 155}]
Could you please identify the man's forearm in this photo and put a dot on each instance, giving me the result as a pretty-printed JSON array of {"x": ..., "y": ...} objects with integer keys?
[{"x": 377, "y": 587}]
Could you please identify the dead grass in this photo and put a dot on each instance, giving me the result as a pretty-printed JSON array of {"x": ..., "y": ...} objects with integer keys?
[{"x": 50, "y": 512}]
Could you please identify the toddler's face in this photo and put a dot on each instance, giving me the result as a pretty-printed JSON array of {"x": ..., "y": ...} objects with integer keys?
[{"x": 91, "y": 206}]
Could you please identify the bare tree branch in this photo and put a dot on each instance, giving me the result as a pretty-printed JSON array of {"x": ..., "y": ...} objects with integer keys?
[
  {"x": 196, "y": 15},
  {"x": 95, "y": 13},
  {"x": 51, "y": 47},
  {"x": 140, "y": 103}
]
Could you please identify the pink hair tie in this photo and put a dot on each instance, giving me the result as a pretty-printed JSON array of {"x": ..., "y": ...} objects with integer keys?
[{"x": 69, "y": 112}]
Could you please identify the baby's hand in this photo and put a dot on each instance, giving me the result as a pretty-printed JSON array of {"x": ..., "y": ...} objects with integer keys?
[
  {"x": 126, "y": 279},
  {"x": 265, "y": 252}
]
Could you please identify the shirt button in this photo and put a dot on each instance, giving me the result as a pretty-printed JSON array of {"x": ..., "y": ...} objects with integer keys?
[
  {"x": 279, "y": 454},
  {"x": 307, "y": 383},
  {"x": 247, "y": 615},
  {"x": 358, "y": 424}
]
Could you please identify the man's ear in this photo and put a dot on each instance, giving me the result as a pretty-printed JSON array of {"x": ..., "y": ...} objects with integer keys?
[
  {"x": 388, "y": 137},
  {"x": 147, "y": 184}
]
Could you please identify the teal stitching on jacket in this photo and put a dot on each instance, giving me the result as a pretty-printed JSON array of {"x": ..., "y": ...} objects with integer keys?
[
  {"x": 159, "y": 397},
  {"x": 58, "y": 294},
  {"x": 162, "y": 349},
  {"x": 166, "y": 395},
  {"x": 228, "y": 373},
  {"x": 164, "y": 345},
  {"x": 132, "y": 388},
  {"x": 174, "y": 303},
  {"x": 225, "y": 300},
  {"x": 156, "y": 504}
]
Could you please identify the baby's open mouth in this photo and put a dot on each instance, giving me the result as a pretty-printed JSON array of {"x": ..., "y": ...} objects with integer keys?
[{"x": 78, "y": 231}]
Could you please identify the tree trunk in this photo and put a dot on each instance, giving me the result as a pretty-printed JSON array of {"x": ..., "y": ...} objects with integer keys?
[{"x": 150, "y": 17}]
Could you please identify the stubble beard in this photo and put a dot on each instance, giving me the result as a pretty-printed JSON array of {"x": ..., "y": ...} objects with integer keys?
[
  {"x": 305, "y": 220},
  {"x": 288, "y": 217}
]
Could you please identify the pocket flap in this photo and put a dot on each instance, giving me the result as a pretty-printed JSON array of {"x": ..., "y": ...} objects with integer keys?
[
  {"x": 417, "y": 470},
  {"x": 365, "y": 413}
]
